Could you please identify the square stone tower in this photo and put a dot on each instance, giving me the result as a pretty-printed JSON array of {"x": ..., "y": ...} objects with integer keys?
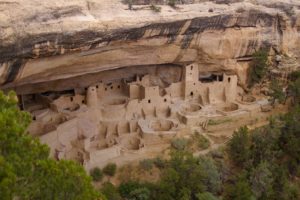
[{"x": 191, "y": 76}]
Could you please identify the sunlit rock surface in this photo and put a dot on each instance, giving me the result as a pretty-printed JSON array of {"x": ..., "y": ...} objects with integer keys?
[{"x": 59, "y": 45}]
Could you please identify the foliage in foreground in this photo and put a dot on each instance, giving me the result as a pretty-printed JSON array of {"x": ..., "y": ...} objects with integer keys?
[{"x": 26, "y": 172}]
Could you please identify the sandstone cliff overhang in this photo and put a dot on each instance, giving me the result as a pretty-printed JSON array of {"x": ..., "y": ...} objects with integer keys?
[{"x": 42, "y": 42}]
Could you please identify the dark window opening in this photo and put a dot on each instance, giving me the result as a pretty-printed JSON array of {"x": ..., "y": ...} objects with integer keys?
[
  {"x": 165, "y": 100},
  {"x": 71, "y": 98},
  {"x": 34, "y": 118},
  {"x": 105, "y": 89},
  {"x": 112, "y": 87},
  {"x": 229, "y": 79},
  {"x": 192, "y": 67},
  {"x": 149, "y": 101},
  {"x": 85, "y": 89},
  {"x": 82, "y": 101},
  {"x": 220, "y": 78},
  {"x": 192, "y": 93},
  {"x": 97, "y": 86},
  {"x": 119, "y": 86},
  {"x": 210, "y": 78}
]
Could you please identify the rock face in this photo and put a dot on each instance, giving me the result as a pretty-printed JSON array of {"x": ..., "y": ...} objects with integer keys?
[{"x": 58, "y": 45}]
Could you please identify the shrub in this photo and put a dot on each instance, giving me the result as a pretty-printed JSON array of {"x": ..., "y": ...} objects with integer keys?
[
  {"x": 172, "y": 3},
  {"x": 146, "y": 164},
  {"x": 139, "y": 194},
  {"x": 155, "y": 8},
  {"x": 125, "y": 188},
  {"x": 258, "y": 66},
  {"x": 206, "y": 196},
  {"x": 239, "y": 146},
  {"x": 201, "y": 141},
  {"x": 110, "y": 191},
  {"x": 276, "y": 92},
  {"x": 110, "y": 169},
  {"x": 212, "y": 176},
  {"x": 179, "y": 143},
  {"x": 159, "y": 162},
  {"x": 96, "y": 174}
]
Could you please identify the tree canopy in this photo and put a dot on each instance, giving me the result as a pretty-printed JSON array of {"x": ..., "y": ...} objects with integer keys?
[{"x": 26, "y": 171}]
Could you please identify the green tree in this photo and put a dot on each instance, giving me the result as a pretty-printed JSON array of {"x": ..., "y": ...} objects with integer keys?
[
  {"x": 7, "y": 180},
  {"x": 61, "y": 180},
  {"x": 294, "y": 90},
  {"x": 184, "y": 176},
  {"x": 110, "y": 191},
  {"x": 258, "y": 66},
  {"x": 212, "y": 178},
  {"x": 276, "y": 92},
  {"x": 290, "y": 136},
  {"x": 206, "y": 196},
  {"x": 240, "y": 190},
  {"x": 261, "y": 179},
  {"x": 239, "y": 146},
  {"x": 125, "y": 188},
  {"x": 139, "y": 194},
  {"x": 26, "y": 172}
]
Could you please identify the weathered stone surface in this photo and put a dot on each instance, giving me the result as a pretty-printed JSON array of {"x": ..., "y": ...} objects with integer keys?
[{"x": 44, "y": 42}]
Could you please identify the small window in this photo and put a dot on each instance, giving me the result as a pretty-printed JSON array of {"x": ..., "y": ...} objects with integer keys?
[
  {"x": 105, "y": 89},
  {"x": 119, "y": 86},
  {"x": 192, "y": 67},
  {"x": 93, "y": 90},
  {"x": 112, "y": 87},
  {"x": 192, "y": 93},
  {"x": 97, "y": 86},
  {"x": 149, "y": 101},
  {"x": 82, "y": 101},
  {"x": 34, "y": 118},
  {"x": 229, "y": 79},
  {"x": 194, "y": 83},
  {"x": 71, "y": 98},
  {"x": 165, "y": 100},
  {"x": 85, "y": 89}
]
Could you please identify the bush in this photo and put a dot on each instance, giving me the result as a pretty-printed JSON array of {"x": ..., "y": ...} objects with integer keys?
[
  {"x": 201, "y": 141},
  {"x": 96, "y": 174},
  {"x": 172, "y": 3},
  {"x": 110, "y": 191},
  {"x": 146, "y": 164},
  {"x": 155, "y": 8},
  {"x": 110, "y": 169},
  {"x": 125, "y": 188},
  {"x": 276, "y": 92},
  {"x": 212, "y": 176},
  {"x": 159, "y": 162},
  {"x": 239, "y": 146},
  {"x": 139, "y": 194},
  {"x": 206, "y": 196},
  {"x": 180, "y": 143},
  {"x": 258, "y": 66}
]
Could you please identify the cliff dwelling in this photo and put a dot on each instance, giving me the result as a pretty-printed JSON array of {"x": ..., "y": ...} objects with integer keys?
[
  {"x": 109, "y": 120},
  {"x": 105, "y": 83}
]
